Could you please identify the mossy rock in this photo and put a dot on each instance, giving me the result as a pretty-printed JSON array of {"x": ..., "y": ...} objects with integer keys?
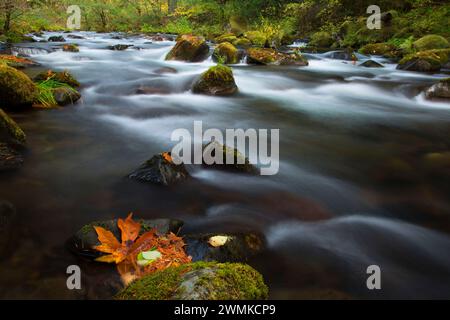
[
  {"x": 199, "y": 281},
  {"x": 321, "y": 39},
  {"x": 265, "y": 56},
  {"x": 86, "y": 238},
  {"x": 257, "y": 38},
  {"x": 17, "y": 62},
  {"x": 220, "y": 151},
  {"x": 378, "y": 49},
  {"x": 65, "y": 96},
  {"x": 424, "y": 61},
  {"x": 440, "y": 90},
  {"x": 10, "y": 132},
  {"x": 71, "y": 48},
  {"x": 242, "y": 43},
  {"x": 216, "y": 81},
  {"x": 63, "y": 77},
  {"x": 431, "y": 41},
  {"x": 16, "y": 89},
  {"x": 226, "y": 53},
  {"x": 189, "y": 48},
  {"x": 160, "y": 170},
  {"x": 229, "y": 37}
]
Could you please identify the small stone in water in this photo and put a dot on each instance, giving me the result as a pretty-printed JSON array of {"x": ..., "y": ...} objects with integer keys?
[{"x": 218, "y": 241}]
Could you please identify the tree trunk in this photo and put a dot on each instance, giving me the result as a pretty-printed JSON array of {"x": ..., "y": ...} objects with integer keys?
[
  {"x": 172, "y": 5},
  {"x": 7, "y": 24}
]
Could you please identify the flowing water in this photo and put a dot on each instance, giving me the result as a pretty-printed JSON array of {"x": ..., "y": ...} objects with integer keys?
[{"x": 354, "y": 187}]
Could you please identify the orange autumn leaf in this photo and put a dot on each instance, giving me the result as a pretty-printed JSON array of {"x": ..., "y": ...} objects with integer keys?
[
  {"x": 167, "y": 157},
  {"x": 130, "y": 229}
]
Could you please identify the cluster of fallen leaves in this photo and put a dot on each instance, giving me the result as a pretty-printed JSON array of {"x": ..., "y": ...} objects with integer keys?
[
  {"x": 16, "y": 59},
  {"x": 125, "y": 253}
]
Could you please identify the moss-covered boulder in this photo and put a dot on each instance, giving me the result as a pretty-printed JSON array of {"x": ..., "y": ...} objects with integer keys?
[
  {"x": 160, "y": 170},
  {"x": 424, "y": 61},
  {"x": 71, "y": 48},
  {"x": 86, "y": 238},
  {"x": 378, "y": 49},
  {"x": 321, "y": 39},
  {"x": 63, "y": 77},
  {"x": 226, "y": 53},
  {"x": 10, "y": 132},
  {"x": 16, "y": 89},
  {"x": 17, "y": 62},
  {"x": 224, "y": 247},
  {"x": 65, "y": 96},
  {"x": 242, "y": 43},
  {"x": 228, "y": 37},
  {"x": 257, "y": 38},
  {"x": 189, "y": 48},
  {"x": 440, "y": 90},
  {"x": 431, "y": 41},
  {"x": 215, "y": 150},
  {"x": 199, "y": 281},
  {"x": 216, "y": 81},
  {"x": 265, "y": 56}
]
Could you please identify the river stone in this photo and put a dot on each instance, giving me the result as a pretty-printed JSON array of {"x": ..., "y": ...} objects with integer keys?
[
  {"x": 199, "y": 281},
  {"x": 71, "y": 48},
  {"x": 65, "y": 96},
  {"x": 239, "y": 247},
  {"x": 243, "y": 167},
  {"x": 160, "y": 170},
  {"x": 165, "y": 70},
  {"x": 371, "y": 64},
  {"x": 86, "y": 238},
  {"x": 216, "y": 81},
  {"x": 16, "y": 89},
  {"x": 10, "y": 132},
  {"x": 119, "y": 47},
  {"x": 7, "y": 216},
  {"x": 440, "y": 90},
  {"x": 227, "y": 53},
  {"x": 266, "y": 56},
  {"x": 74, "y": 36},
  {"x": 347, "y": 55},
  {"x": 419, "y": 64},
  {"x": 56, "y": 39},
  {"x": 189, "y": 48}
]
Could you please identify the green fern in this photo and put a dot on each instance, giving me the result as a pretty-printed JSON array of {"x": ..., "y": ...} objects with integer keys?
[{"x": 46, "y": 88}]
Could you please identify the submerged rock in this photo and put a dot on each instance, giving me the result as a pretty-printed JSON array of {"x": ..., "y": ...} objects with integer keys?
[
  {"x": 420, "y": 64},
  {"x": 65, "y": 96},
  {"x": 165, "y": 70},
  {"x": 56, "y": 39},
  {"x": 232, "y": 247},
  {"x": 63, "y": 77},
  {"x": 10, "y": 158},
  {"x": 199, "y": 281},
  {"x": 74, "y": 36},
  {"x": 189, "y": 48},
  {"x": 216, "y": 150},
  {"x": 440, "y": 90},
  {"x": 264, "y": 56},
  {"x": 226, "y": 53},
  {"x": 347, "y": 55},
  {"x": 216, "y": 81},
  {"x": 10, "y": 132},
  {"x": 371, "y": 64},
  {"x": 71, "y": 48},
  {"x": 160, "y": 170},
  {"x": 119, "y": 47},
  {"x": 16, "y": 89},
  {"x": 86, "y": 238}
]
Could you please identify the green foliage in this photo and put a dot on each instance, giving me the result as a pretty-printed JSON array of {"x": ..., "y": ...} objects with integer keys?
[{"x": 46, "y": 88}]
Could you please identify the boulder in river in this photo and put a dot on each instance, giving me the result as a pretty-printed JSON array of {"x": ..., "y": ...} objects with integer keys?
[
  {"x": 216, "y": 81},
  {"x": 10, "y": 158},
  {"x": 63, "y": 77},
  {"x": 86, "y": 238},
  {"x": 420, "y": 62},
  {"x": 16, "y": 89},
  {"x": 431, "y": 41},
  {"x": 65, "y": 96},
  {"x": 226, "y": 53},
  {"x": 17, "y": 62},
  {"x": 160, "y": 170},
  {"x": 236, "y": 247},
  {"x": 371, "y": 64},
  {"x": 10, "y": 132},
  {"x": 189, "y": 48},
  {"x": 265, "y": 56},
  {"x": 56, "y": 39},
  {"x": 227, "y": 37},
  {"x": 440, "y": 90},
  {"x": 199, "y": 281},
  {"x": 71, "y": 48},
  {"x": 241, "y": 163},
  {"x": 74, "y": 36},
  {"x": 347, "y": 55},
  {"x": 119, "y": 47}
]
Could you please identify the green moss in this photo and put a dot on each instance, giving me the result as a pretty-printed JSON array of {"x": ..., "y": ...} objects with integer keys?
[
  {"x": 16, "y": 89},
  {"x": 431, "y": 42},
  {"x": 228, "y": 37},
  {"x": 226, "y": 53},
  {"x": 189, "y": 48},
  {"x": 10, "y": 131},
  {"x": 262, "y": 56},
  {"x": 219, "y": 281},
  {"x": 71, "y": 48},
  {"x": 257, "y": 38},
  {"x": 321, "y": 39},
  {"x": 434, "y": 57},
  {"x": 242, "y": 42},
  {"x": 218, "y": 73}
]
